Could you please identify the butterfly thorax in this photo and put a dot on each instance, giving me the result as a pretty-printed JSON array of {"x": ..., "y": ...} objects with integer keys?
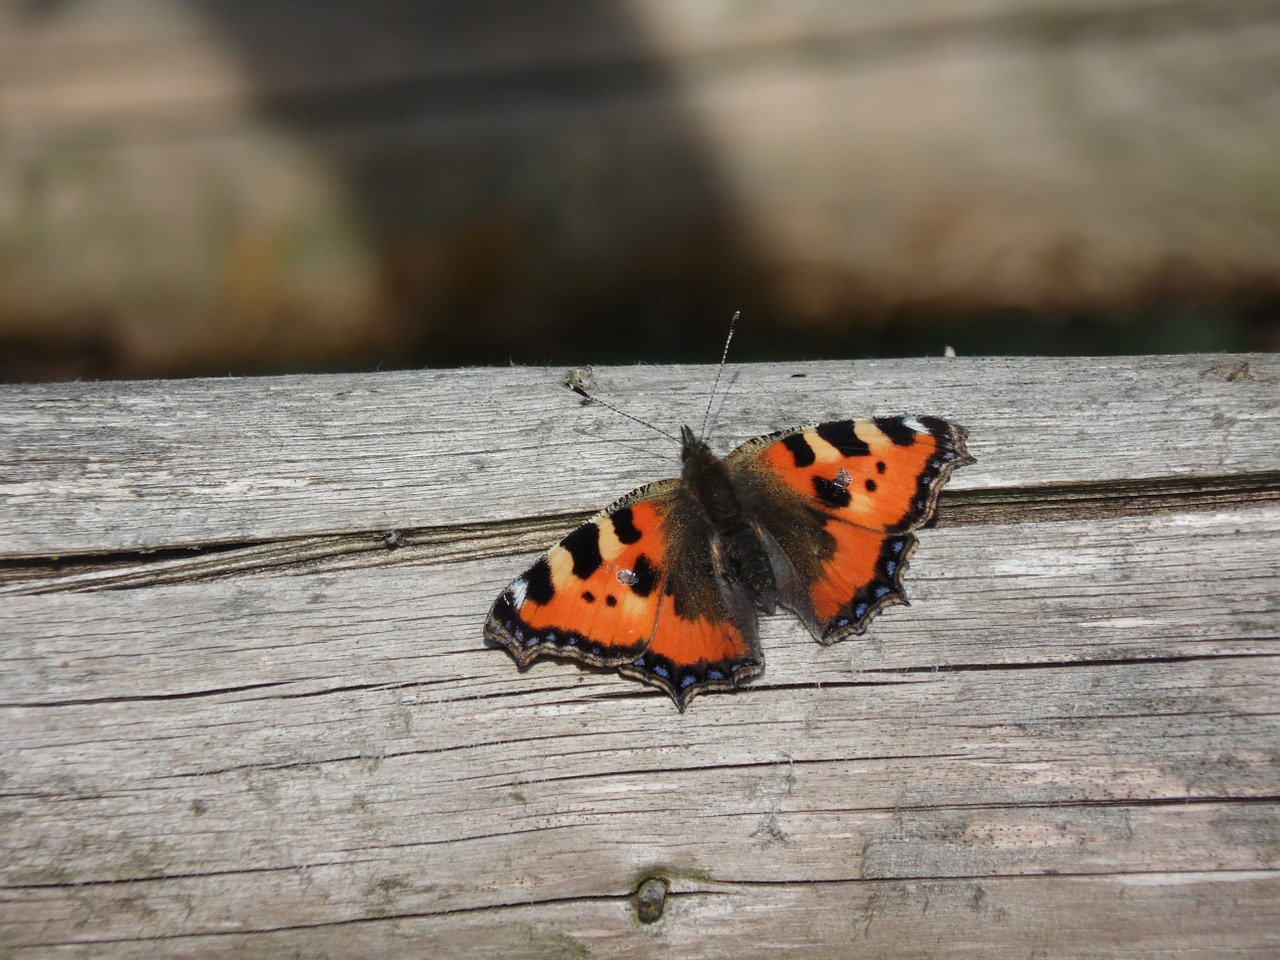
[{"x": 740, "y": 552}]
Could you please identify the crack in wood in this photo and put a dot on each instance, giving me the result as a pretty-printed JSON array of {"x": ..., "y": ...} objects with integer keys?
[
  {"x": 1058, "y": 664},
  {"x": 1108, "y": 500},
  {"x": 465, "y": 542}
]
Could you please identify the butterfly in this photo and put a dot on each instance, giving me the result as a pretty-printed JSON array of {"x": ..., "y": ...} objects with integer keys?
[{"x": 664, "y": 585}]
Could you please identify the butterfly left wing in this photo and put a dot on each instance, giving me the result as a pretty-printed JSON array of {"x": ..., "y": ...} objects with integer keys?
[
  {"x": 837, "y": 504},
  {"x": 638, "y": 589}
]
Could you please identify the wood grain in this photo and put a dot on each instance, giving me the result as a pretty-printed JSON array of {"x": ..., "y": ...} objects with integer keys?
[
  {"x": 108, "y": 468},
  {"x": 1065, "y": 746}
]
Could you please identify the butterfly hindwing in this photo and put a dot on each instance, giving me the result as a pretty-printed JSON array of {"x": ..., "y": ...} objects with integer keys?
[
  {"x": 638, "y": 589},
  {"x": 837, "y": 503},
  {"x": 705, "y": 637}
]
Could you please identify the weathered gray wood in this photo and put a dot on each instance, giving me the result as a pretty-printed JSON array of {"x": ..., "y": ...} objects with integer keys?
[
  {"x": 994, "y": 918},
  {"x": 1066, "y": 745},
  {"x": 94, "y": 468}
]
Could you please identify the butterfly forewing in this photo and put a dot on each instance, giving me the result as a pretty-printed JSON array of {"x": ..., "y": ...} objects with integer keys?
[{"x": 595, "y": 595}]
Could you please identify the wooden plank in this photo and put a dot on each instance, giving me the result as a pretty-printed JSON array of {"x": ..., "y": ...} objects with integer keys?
[
  {"x": 95, "y": 468},
  {"x": 308, "y": 751},
  {"x": 1065, "y": 745},
  {"x": 1210, "y": 915},
  {"x": 1214, "y": 914}
]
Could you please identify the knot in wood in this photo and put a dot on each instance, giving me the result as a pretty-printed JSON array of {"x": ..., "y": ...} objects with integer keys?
[{"x": 651, "y": 897}]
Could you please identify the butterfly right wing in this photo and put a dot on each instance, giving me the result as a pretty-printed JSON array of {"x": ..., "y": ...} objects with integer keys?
[{"x": 637, "y": 588}]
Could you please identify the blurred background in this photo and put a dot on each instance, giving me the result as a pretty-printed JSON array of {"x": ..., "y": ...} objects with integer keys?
[{"x": 253, "y": 186}]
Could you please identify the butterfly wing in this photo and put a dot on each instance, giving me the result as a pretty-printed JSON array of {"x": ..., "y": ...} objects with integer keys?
[
  {"x": 837, "y": 504},
  {"x": 637, "y": 588}
]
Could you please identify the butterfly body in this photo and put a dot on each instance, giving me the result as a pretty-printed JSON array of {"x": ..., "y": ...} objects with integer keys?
[
  {"x": 664, "y": 585},
  {"x": 742, "y": 557}
]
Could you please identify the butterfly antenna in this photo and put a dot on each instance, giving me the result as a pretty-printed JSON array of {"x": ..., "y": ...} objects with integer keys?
[
  {"x": 733, "y": 323},
  {"x": 581, "y": 391}
]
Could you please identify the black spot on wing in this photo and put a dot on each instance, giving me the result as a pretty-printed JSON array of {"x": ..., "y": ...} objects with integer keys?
[
  {"x": 644, "y": 577},
  {"x": 840, "y": 434},
  {"x": 503, "y": 613},
  {"x": 939, "y": 428},
  {"x": 800, "y": 450},
  {"x": 538, "y": 586},
  {"x": 624, "y": 526},
  {"x": 584, "y": 546},
  {"x": 831, "y": 492},
  {"x": 896, "y": 429}
]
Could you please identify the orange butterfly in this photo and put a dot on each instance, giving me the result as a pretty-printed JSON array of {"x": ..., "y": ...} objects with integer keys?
[{"x": 664, "y": 584}]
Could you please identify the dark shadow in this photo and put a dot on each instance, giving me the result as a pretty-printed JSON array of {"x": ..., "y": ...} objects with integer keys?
[
  {"x": 534, "y": 191},
  {"x": 524, "y": 172}
]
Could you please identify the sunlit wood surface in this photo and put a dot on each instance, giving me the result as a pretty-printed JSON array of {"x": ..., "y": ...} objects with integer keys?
[{"x": 246, "y": 710}]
